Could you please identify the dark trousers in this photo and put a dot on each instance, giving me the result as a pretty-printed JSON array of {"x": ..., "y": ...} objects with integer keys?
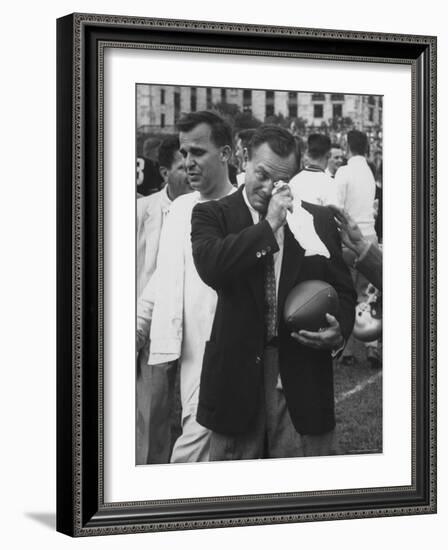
[{"x": 154, "y": 401}]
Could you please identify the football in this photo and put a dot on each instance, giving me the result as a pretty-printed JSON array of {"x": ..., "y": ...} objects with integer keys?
[{"x": 307, "y": 304}]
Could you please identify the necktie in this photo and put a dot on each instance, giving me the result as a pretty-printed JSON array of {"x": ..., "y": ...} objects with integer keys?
[{"x": 270, "y": 297}]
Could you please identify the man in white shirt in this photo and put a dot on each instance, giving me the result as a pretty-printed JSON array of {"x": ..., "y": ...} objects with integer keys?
[
  {"x": 152, "y": 439},
  {"x": 184, "y": 306},
  {"x": 356, "y": 185},
  {"x": 335, "y": 160},
  {"x": 356, "y": 194},
  {"x": 312, "y": 184}
]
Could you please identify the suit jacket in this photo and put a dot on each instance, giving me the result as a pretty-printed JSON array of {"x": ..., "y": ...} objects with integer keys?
[{"x": 228, "y": 254}]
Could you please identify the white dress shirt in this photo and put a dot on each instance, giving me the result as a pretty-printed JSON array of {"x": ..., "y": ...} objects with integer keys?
[
  {"x": 356, "y": 191},
  {"x": 279, "y": 237},
  {"x": 314, "y": 186}
]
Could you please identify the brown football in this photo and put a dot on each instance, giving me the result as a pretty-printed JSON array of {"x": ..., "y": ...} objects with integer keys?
[{"x": 307, "y": 304}]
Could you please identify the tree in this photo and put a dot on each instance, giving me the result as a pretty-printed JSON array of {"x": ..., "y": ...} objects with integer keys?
[
  {"x": 227, "y": 109},
  {"x": 347, "y": 122},
  {"x": 278, "y": 119},
  {"x": 239, "y": 120},
  {"x": 246, "y": 120}
]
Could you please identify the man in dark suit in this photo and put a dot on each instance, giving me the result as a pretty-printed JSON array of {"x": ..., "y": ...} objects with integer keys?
[{"x": 266, "y": 392}]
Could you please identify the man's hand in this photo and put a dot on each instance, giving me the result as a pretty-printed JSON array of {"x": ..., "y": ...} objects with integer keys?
[
  {"x": 350, "y": 233},
  {"x": 329, "y": 338},
  {"x": 280, "y": 202}
]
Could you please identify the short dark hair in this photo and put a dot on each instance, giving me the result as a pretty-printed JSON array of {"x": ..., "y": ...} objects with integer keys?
[
  {"x": 318, "y": 145},
  {"x": 357, "y": 142},
  {"x": 279, "y": 140},
  {"x": 221, "y": 131},
  {"x": 167, "y": 150},
  {"x": 245, "y": 136}
]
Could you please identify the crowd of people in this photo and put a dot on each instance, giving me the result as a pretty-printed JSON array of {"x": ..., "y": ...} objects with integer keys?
[{"x": 229, "y": 226}]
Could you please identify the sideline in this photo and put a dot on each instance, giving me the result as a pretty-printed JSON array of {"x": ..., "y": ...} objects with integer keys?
[{"x": 359, "y": 387}]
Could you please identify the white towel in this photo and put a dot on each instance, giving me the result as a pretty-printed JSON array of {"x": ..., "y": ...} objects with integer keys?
[{"x": 301, "y": 223}]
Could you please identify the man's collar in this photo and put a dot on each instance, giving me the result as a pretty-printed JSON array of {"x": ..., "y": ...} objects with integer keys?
[
  {"x": 254, "y": 213},
  {"x": 164, "y": 197},
  {"x": 314, "y": 168}
]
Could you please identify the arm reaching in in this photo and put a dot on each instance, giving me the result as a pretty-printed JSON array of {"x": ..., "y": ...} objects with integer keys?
[{"x": 369, "y": 257}]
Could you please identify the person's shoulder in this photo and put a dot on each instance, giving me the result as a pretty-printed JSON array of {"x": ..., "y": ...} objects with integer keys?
[
  {"x": 147, "y": 203},
  {"x": 223, "y": 202},
  {"x": 143, "y": 201},
  {"x": 220, "y": 207},
  {"x": 299, "y": 176},
  {"x": 302, "y": 184},
  {"x": 342, "y": 171},
  {"x": 155, "y": 198},
  {"x": 231, "y": 198},
  {"x": 326, "y": 177},
  {"x": 180, "y": 211},
  {"x": 184, "y": 202}
]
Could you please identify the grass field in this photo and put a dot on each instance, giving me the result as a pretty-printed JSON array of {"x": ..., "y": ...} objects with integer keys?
[{"x": 358, "y": 398}]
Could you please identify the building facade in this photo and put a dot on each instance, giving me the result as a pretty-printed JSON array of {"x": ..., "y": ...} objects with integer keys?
[{"x": 158, "y": 107}]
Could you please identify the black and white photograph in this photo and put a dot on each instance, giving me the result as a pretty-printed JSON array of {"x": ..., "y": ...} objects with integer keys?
[
  {"x": 216, "y": 137},
  {"x": 258, "y": 269},
  {"x": 246, "y": 315}
]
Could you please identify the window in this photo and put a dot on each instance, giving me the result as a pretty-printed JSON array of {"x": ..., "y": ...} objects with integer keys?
[
  {"x": 337, "y": 97},
  {"x": 223, "y": 95},
  {"x": 162, "y": 120},
  {"x": 318, "y": 110},
  {"x": 269, "y": 103},
  {"x": 292, "y": 110},
  {"x": 176, "y": 105},
  {"x": 337, "y": 110},
  {"x": 371, "y": 111},
  {"x": 292, "y": 104},
  {"x": 371, "y": 100},
  {"x": 318, "y": 97},
  {"x": 162, "y": 97},
  {"x": 247, "y": 100},
  {"x": 193, "y": 99},
  {"x": 209, "y": 98}
]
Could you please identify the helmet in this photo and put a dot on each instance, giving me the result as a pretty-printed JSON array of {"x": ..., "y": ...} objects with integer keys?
[{"x": 368, "y": 317}]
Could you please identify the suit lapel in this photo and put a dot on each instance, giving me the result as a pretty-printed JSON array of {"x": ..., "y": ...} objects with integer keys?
[
  {"x": 238, "y": 218},
  {"x": 238, "y": 214},
  {"x": 293, "y": 256}
]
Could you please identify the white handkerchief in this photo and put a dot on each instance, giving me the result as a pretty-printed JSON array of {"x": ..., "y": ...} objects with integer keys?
[{"x": 301, "y": 223}]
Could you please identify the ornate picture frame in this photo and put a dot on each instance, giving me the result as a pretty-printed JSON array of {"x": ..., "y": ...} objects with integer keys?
[{"x": 81, "y": 506}]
